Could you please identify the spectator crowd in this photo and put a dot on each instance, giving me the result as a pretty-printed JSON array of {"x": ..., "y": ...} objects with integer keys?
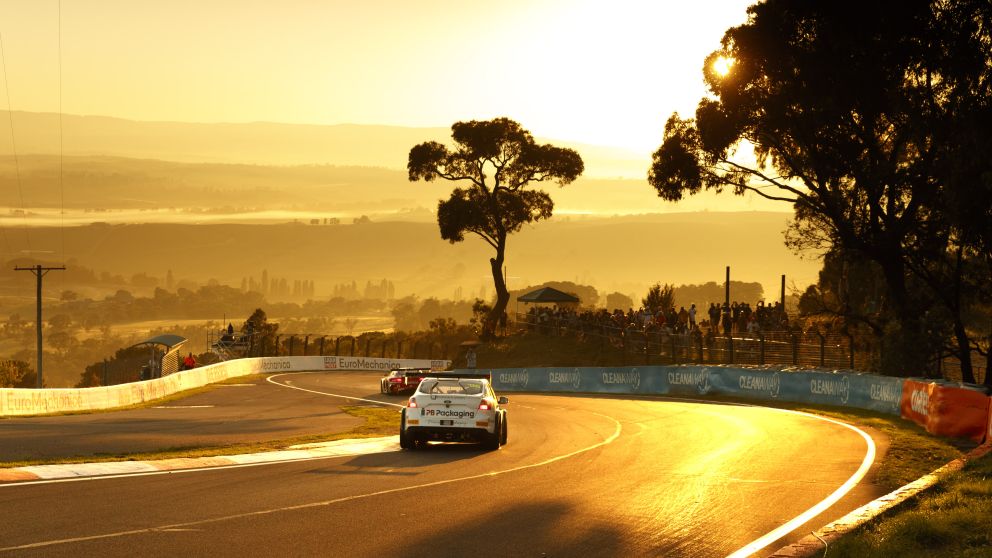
[{"x": 727, "y": 319}]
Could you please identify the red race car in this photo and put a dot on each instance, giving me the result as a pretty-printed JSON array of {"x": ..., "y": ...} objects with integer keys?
[{"x": 401, "y": 380}]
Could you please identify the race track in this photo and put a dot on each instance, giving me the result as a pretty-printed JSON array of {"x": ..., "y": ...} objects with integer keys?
[{"x": 581, "y": 475}]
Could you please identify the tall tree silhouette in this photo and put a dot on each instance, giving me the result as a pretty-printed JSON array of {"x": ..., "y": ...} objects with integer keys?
[
  {"x": 850, "y": 119},
  {"x": 496, "y": 160}
]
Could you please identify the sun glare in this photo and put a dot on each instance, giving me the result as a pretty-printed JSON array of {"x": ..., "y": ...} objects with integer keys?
[{"x": 722, "y": 65}]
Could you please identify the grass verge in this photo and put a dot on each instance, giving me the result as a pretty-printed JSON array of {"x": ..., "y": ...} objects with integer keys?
[
  {"x": 951, "y": 519},
  {"x": 378, "y": 422}
]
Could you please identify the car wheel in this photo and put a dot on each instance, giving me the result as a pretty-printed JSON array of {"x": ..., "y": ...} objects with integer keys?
[
  {"x": 492, "y": 440},
  {"x": 406, "y": 441},
  {"x": 503, "y": 431}
]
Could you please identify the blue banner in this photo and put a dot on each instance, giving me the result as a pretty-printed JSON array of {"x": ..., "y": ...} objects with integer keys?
[{"x": 863, "y": 391}]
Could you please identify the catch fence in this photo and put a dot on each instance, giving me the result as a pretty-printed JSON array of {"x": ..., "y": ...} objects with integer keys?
[{"x": 659, "y": 346}]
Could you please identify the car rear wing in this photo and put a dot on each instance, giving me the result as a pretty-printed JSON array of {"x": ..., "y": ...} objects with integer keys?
[{"x": 455, "y": 375}]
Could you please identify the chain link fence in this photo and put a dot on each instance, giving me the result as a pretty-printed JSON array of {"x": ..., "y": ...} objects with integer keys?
[{"x": 656, "y": 346}]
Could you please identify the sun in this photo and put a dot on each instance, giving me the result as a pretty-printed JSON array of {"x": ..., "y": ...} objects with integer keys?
[{"x": 722, "y": 65}]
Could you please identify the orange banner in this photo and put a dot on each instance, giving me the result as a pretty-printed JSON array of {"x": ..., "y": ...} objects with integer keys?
[
  {"x": 988, "y": 431},
  {"x": 961, "y": 413},
  {"x": 946, "y": 410},
  {"x": 915, "y": 402}
]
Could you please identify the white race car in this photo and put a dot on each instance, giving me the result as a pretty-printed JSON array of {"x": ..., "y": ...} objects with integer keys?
[{"x": 451, "y": 407}]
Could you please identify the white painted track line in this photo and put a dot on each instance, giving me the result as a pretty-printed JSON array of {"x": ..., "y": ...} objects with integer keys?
[{"x": 794, "y": 523}]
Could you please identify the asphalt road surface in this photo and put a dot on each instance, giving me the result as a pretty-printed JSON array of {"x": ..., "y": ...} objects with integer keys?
[{"x": 590, "y": 476}]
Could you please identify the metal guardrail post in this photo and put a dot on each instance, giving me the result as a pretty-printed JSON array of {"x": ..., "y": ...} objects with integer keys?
[
  {"x": 795, "y": 349},
  {"x": 761, "y": 348},
  {"x": 399, "y": 349},
  {"x": 850, "y": 345},
  {"x": 623, "y": 348},
  {"x": 278, "y": 347},
  {"x": 675, "y": 354},
  {"x": 352, "y": 346},
  {"x": 292, "y": 344},
  {"x": 368, "y": 345},
  {"x": 306, "y": 344},
  {"x": 647, "y": 350},
  {"x": 322, "y": 345},
  {"x": 699, "y": 347},
  {"x": 730, "y": 346},
  {"x": 823, "y": 348}
]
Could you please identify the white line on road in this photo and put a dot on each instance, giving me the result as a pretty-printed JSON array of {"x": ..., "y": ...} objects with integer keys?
[
  {"x": 191, "y": 524},
  {"x": 819, "y": 508},
  {"x": 269, "y": 379},
  {"x": 184, "y": 407}
]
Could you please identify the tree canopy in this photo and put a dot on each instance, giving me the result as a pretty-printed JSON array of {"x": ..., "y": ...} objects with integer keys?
[
  {"x": 496, "y": 160},
  {"x": 854, "y": 112}
]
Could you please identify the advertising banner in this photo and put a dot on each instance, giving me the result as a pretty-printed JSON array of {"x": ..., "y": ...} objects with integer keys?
[
  {"x": 988, "y": 430},
  {"x": 947, "y": 409},
  {"x": 863, "y": 391},
  {"x": 958, "y": 412},
  {"x": 915, "y": 402}
]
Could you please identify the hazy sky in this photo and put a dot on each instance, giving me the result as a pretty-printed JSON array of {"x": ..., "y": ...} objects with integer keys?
[{"x": 595, "y": 71}]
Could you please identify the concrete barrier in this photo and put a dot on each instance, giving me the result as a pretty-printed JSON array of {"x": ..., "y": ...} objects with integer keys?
[
  {"x": 19, "y": 402},
  {"x": 844, "y": 389}
]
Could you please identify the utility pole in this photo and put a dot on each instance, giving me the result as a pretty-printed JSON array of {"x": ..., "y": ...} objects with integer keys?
[
  {"x": 39, "y": 272},
  {"x": 726, "y": 296}
]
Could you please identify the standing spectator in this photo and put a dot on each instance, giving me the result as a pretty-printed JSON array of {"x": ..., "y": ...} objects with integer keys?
[
  {"x": 726, "y": 319},
  {"x": 714, "y": 316},
  {"x": 189, "y": 362},
  {"x": 470, "y": 359},
  {"x": 692, "y": 316}
]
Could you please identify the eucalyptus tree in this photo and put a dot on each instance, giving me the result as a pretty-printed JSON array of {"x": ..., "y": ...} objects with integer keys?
[
  {"x": 847, "y": 108},
  {"x": 495, "y": 161}
]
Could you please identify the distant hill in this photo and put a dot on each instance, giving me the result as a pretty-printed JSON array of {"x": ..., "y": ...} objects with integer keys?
[
  {"x": 242, "y": 192},
  {"x": 623, "y": 254},
  {"x": 262, "y": 143}
]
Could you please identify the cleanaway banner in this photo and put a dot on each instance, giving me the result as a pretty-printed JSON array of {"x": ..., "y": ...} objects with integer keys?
[
  {"x": 630, "y": 380},
  {"x": 864, "y": 391},
  {"x": 17, "y": 401}
]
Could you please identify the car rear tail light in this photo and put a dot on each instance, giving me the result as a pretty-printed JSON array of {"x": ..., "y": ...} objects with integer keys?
[
  {"x": 485, "y": 405},
  {"x": 412, "y": 403},
  {"x": 396, "y": 380}
]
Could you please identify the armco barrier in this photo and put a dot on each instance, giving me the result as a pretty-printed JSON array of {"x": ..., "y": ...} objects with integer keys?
[
  {"x": 15, "y": 401},
  {"x": 946, "y": 410},
  {"x": 863, "y": 391}
]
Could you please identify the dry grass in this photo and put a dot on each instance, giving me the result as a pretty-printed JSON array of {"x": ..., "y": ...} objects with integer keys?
[{"x": 952, "y": 520}]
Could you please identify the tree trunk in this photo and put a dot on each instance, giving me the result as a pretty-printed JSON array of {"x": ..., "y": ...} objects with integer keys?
[
  {"x": 502, "y": 294},
  {"x": 988, "y": 364},
  {"x": 964, "y": 352},
  {"x": 906, "y": 348}
]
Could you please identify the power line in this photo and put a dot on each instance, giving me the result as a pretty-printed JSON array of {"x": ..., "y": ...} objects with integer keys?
[
  {"x": 13, "y": 145},
  {"x": 61, "y": 146}
]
